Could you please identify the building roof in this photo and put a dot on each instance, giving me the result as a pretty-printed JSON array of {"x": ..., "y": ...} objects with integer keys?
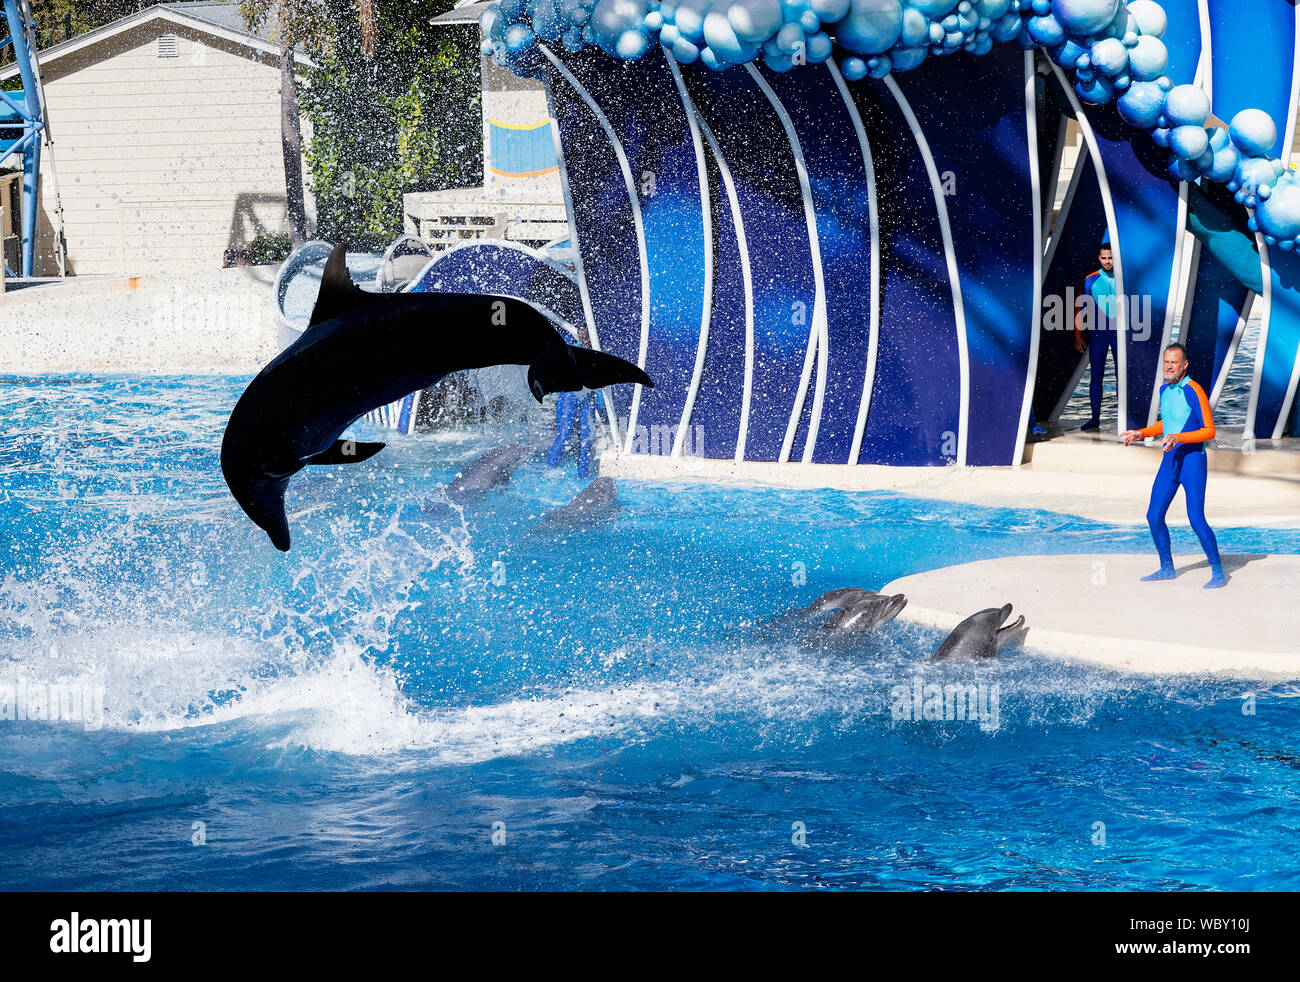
[
  {"x": 465, "y": 12},
  {"x": 222, "y": 20},
  {"x": 225, "y": 15}
]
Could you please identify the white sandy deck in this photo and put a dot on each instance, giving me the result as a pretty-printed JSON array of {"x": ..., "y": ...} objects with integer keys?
[
  {"x": 1095, "y": 608},
  {"x": 1094, "y": 479},
  {"x": 1090, "y": 608},
  {"x": 222, "y": 321}
]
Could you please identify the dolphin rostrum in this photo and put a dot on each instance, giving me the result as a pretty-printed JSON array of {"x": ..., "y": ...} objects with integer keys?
[
  {"x": 979, "y": 634},
  {"x": 868, "y": 612},
  {"x": 364, "y": 350}
]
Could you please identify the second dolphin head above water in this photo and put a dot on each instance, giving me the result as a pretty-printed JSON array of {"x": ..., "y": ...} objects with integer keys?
[
  {"x": 979, "y": 635},
  {"x": 487, "y": 471},
  {"x": 867, "y": 612},
  {"x": 853, "y": 608}
]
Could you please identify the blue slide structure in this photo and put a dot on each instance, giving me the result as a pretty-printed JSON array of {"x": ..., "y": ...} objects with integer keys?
[
  {"x": 791, "y": 181},
  {"x": 852, "y": 259}
]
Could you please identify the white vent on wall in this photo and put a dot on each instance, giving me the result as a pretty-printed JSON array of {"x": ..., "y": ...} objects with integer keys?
[{"x": 167, "y": 46}]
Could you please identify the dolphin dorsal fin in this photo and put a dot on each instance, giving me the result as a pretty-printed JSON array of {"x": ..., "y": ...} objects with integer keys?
[{"x": 338, "y": 294}]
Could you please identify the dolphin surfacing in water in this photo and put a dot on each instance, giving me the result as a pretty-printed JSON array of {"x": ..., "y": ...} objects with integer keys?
[
  {"x": 363, "y": 350},
  {"x": 840, "y": 599},
  {"x": 978, "y": 636},
  {"x": 592, "y": 504},
  {"x": 867, "y": 612},
  {"x": 853, "y": 609},
  {"x": 487, "y": 471}
]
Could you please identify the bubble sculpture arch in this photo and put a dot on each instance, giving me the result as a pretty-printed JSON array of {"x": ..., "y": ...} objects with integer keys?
[{"x": 918, "y": 334}]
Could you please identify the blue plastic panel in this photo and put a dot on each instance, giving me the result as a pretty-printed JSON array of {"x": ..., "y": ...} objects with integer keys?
[
  {"x": 837, "y": 180},
  {"x": 914, "y": 403},
  {"x": 978, "y": 132}
]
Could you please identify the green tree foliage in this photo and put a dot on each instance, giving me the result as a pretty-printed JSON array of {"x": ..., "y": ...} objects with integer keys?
[
  {"x": 407, "y": 119},
  {"x": 403, "y": 117},
  {"x": 303, "y": 24}
]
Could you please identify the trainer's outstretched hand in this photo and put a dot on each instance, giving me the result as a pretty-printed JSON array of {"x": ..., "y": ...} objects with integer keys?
[{"x": 1130, "y": 436}]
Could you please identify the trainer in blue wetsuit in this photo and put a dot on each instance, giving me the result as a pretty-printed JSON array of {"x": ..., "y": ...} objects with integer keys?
[
  {"x": 572, "y": 406},
  {"x": 1097, "y": 301},
  {"x": 569, "y": 406},
  {"x": 1186, "y": 424}
]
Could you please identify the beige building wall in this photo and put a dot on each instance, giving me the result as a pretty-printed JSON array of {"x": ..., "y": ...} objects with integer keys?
[
  {"x": 514, "y": 101},
  {"x": 163, "y": 162}
]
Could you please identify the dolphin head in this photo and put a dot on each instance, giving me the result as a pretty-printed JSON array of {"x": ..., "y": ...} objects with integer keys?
[
  {"x": 593, "y": 503},
  {"x": 598, "y": 493},
  {"x": 994, "y": 617},
  {"x": 868, "y": 612},
  {"x": 977, "y": 636},
  {"x": 986, "y": 623},
  {"x": 891, "y": 610},
  {"x": 489, "y": 470},
  {"x": 262, "y": 499},
  {"x": 256, "y": 484}
]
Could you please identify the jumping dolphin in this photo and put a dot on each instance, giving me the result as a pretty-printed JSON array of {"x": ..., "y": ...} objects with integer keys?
[
  {"x": 363, "y": 350},
  {"x": 978, "y": 635},
  {"x": 590, "y": 505},
  {"x": 868, "y": 612},
  {"x": 487, "y": 471}
]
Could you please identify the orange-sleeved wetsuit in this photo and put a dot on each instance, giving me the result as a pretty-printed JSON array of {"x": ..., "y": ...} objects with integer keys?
[{"x": 1185, "y": 413}]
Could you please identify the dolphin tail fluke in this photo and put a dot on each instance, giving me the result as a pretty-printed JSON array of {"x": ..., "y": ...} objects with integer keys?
[
  {"x": 346, "y": 452},
  {"x": 570, "y": 369},
  {"x": 598, "y": 369}
]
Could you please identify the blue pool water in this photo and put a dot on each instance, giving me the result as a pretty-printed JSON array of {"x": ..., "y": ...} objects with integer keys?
[{"x": 360, "y": 713}]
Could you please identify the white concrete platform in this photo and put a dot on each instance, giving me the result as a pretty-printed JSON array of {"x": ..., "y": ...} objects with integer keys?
[
  {"x": 1095, "y": 608},
  {"x": 1103, "y": 483},
  {"x": 222, "y": 321}
]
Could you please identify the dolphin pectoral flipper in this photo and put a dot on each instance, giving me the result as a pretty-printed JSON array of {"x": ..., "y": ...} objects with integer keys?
[
  {"x": 569, "y": 369},
  {"x": 346, "y": 452}
]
